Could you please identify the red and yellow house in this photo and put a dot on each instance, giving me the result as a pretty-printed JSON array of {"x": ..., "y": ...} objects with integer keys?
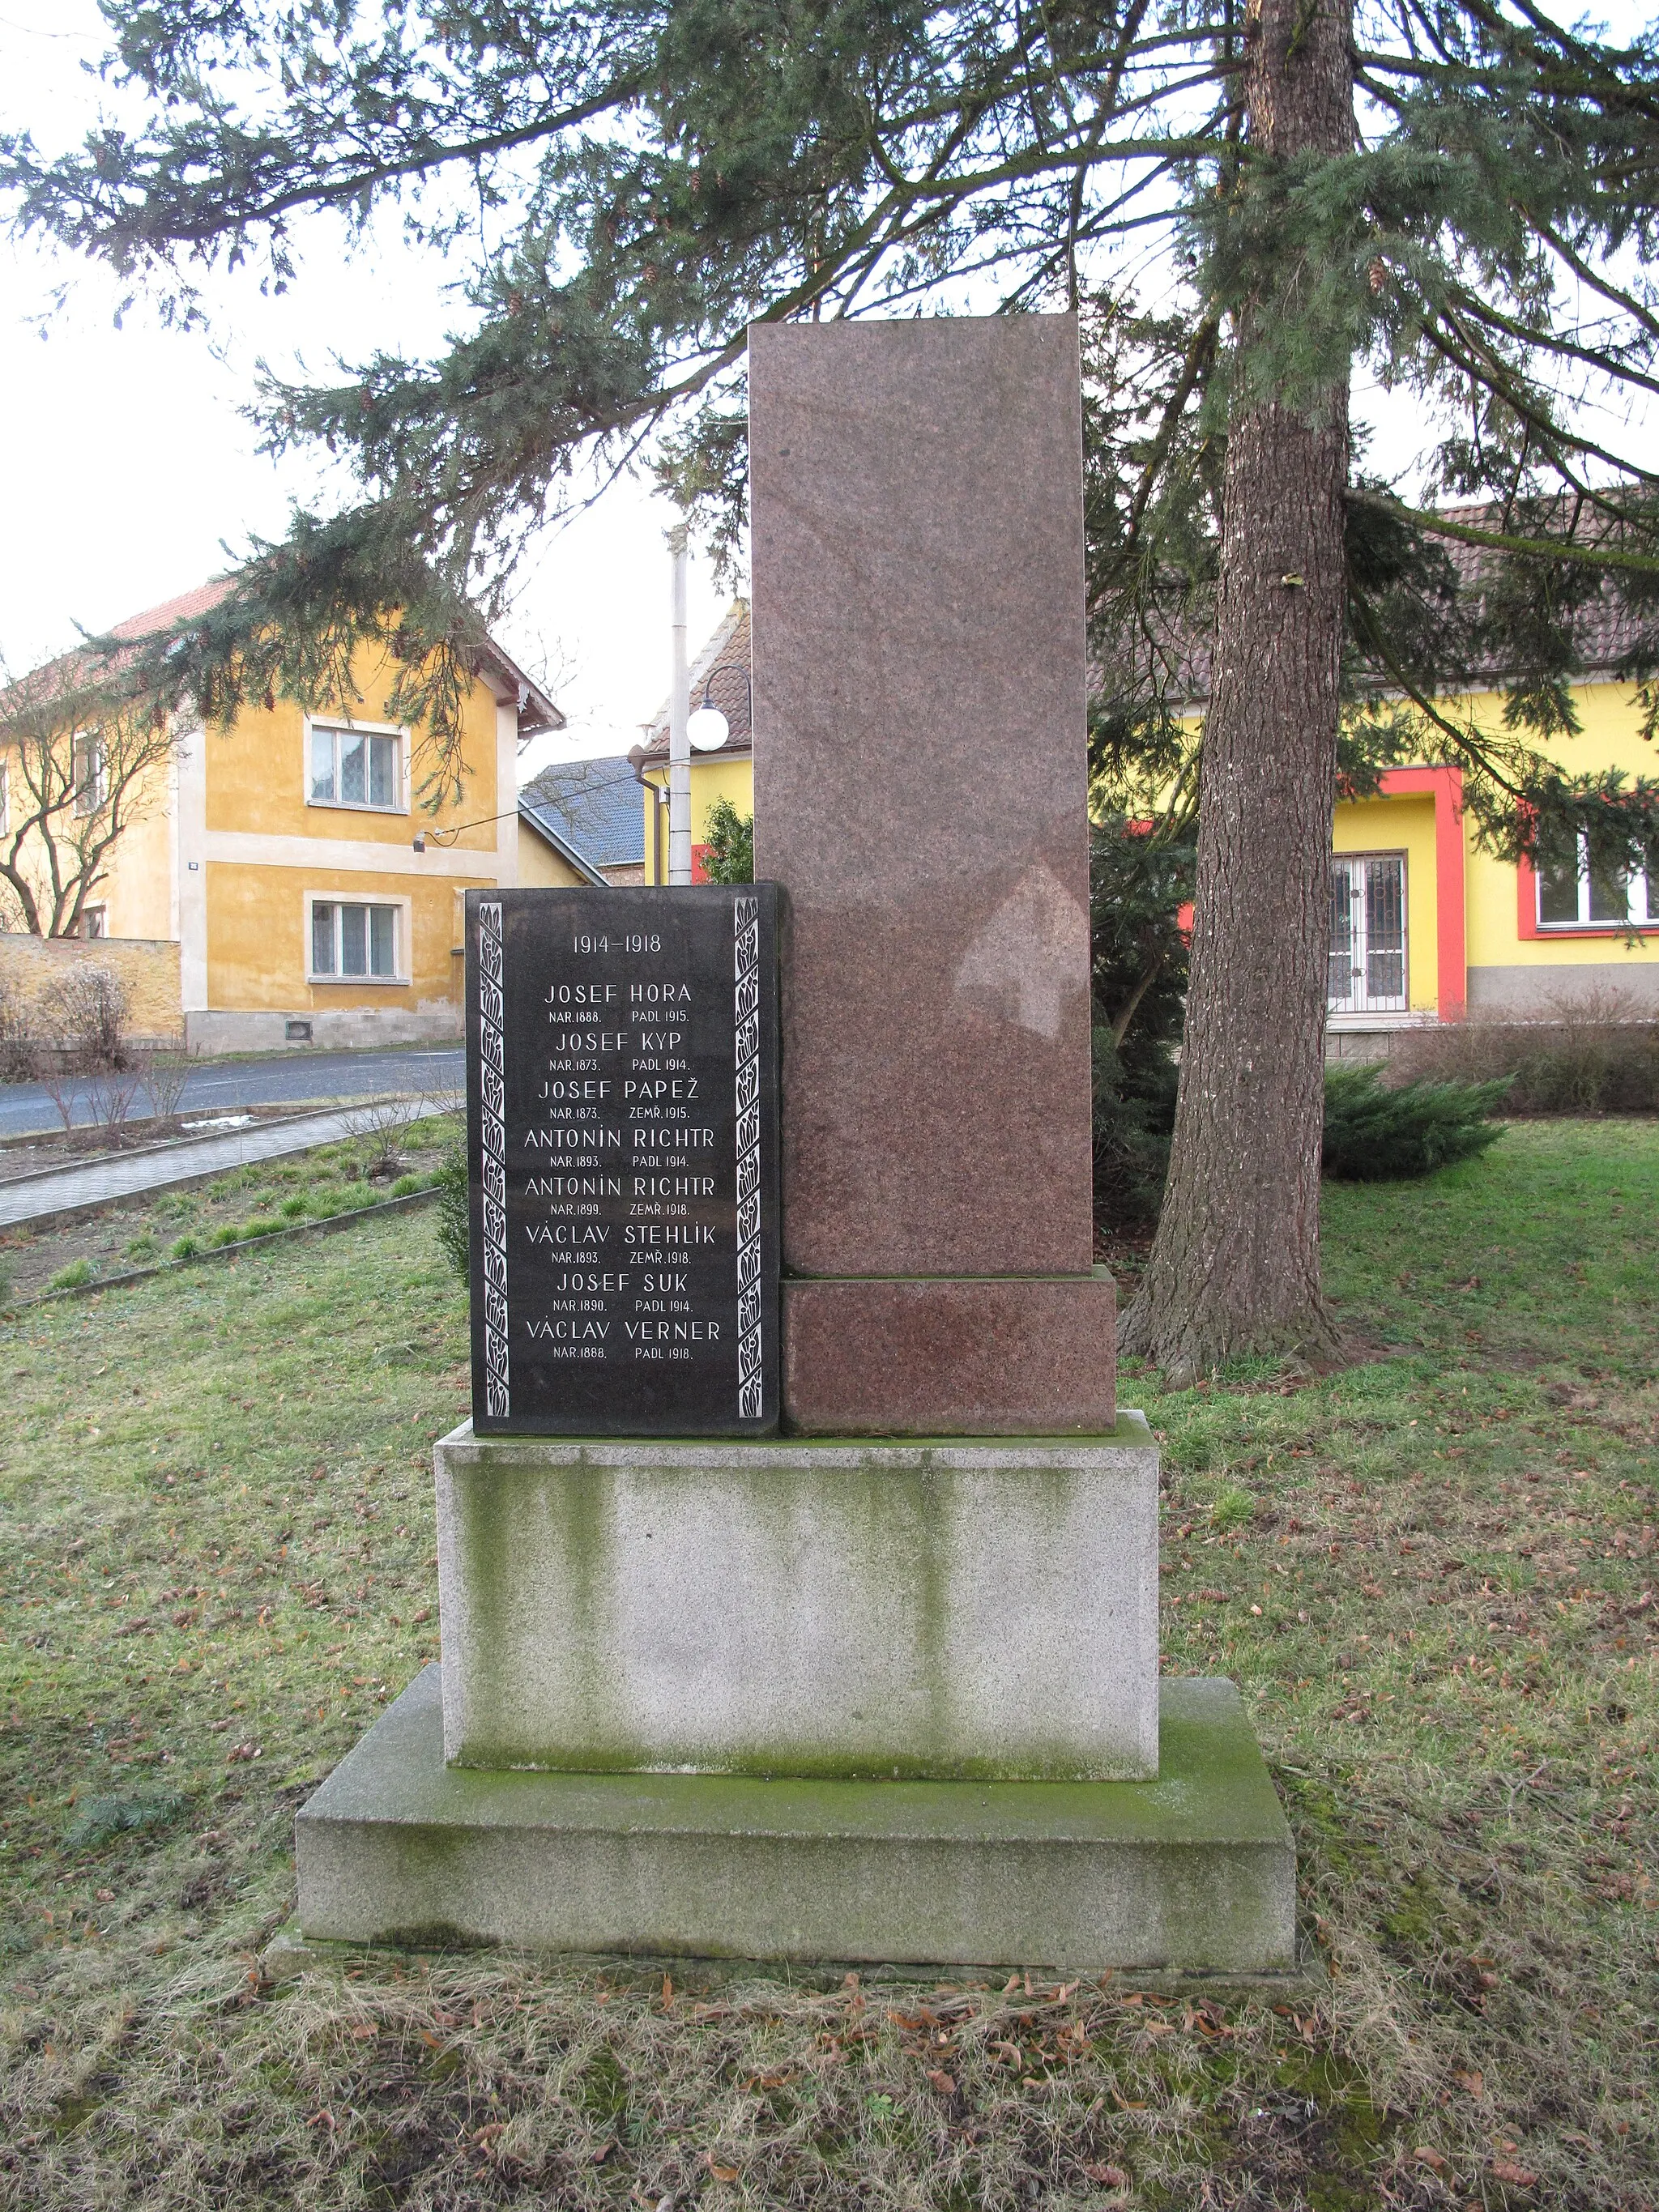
[{"x": 1426, "y": 926}]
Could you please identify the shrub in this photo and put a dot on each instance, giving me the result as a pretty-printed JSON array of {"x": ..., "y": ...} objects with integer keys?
[
  {"x": 183, "y": 1248},
  {"x": 227, "y": 1233},
  {"x": 454, "y": 1209},
  {"x": 110, "y": 1093},
  {"x": 1376, "y": 1133},
  {"x": 17, "y": 1057},
  {"x": 86, "y": 1011},
  {"x": 292, "y": 1209},
  {"x": 379, "y": 1125},
  {"x": 1133, "y": 1116},
  {"x": 352, "y": 1195},
  {"x": 729, "y": 851},
  {"x": 1593, "y": 1055},
  {"x": 72, "y": 1277},
  {"x": 1137, "y": 887},
  {"x": 406, "y": 1186},
  {"x": 164, "y": 1070},
  {"x": 263, "y": 1225}
]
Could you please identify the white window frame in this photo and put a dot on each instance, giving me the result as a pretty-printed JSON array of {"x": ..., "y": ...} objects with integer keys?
[
  {"x": 101, "y": 913},
  {"x": 1641, "y": 900},
  {"x": 400, "y": 908},
  {"x": 1359, "y": 1001},
  {"x": 92, "y": 792},
  {"x": 339, "y": 727}
]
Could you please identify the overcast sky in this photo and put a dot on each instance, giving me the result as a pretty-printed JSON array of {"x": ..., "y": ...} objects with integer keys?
[{"x": 128, "y": 468}]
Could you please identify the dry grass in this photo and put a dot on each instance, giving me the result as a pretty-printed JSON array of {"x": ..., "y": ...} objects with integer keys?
[{"x": 217, "y": 1542}]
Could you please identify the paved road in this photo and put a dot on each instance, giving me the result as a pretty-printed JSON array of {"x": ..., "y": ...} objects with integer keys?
[
  {"x": 224, "y": 1086},
  {"x": 37, "y": 1198}
]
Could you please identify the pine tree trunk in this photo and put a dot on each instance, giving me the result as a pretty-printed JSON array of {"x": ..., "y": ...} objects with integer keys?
[{"x": 1235, "y": 1266}]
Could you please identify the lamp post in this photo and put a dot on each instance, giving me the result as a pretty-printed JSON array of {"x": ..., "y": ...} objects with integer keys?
[
  {"x": 708, "y": 729},
  {"x": 679, "y": 749}
]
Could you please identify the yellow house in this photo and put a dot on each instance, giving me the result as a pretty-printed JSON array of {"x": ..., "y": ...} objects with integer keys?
[
  {"x": 312, "y": 900},
  {"x": 718, "y": 679},
  {"x": 1424, "y": 926}
]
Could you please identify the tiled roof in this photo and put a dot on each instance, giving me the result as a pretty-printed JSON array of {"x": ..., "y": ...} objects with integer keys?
[
  {"x": 593, "y": 806},
  {"x": 40, "y": 683},
  {"x": 719, "y": 674},
  {"x": 1606, "y": 627},
  {"x": 173, "y": 611}
]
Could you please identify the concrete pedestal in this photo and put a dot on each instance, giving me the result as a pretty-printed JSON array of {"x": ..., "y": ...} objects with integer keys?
[
  {"x": 941, "y": 1609},
  {"x": 1194, "y": 1872}
]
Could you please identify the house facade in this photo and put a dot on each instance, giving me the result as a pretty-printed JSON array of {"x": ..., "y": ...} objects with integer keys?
[
  {"x": 1426, "y": 926},
  {"x": 312, "y": 898},
  {"x": 718, "y": 679}
]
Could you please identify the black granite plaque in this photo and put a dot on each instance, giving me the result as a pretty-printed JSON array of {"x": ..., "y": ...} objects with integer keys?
[{"x": 622, "y": 1133}]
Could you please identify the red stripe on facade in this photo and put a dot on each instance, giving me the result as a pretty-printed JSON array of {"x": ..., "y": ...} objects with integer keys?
[{"x": 1446, "y": 785}]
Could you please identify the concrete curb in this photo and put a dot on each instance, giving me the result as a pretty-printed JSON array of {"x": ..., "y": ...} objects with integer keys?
[
  {"x": 83, "y": 1209},
  {"x": 158, "y": 1145},
  {"x": 329, "y": 1222}
]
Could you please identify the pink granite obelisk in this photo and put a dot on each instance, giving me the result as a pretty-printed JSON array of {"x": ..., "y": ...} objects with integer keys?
[{"x": 919, "y": 793}]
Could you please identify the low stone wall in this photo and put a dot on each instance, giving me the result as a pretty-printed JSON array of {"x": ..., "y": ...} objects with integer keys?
[
  {"x": 148, "y": 966},
  {"x": 213, "y": 1030}
]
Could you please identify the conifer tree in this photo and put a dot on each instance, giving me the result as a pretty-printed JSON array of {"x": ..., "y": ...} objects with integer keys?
[{"x": 1243, "y": 198}]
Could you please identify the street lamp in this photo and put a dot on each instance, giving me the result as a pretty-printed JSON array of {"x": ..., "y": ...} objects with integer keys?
[{"x": 708, "y": 728}]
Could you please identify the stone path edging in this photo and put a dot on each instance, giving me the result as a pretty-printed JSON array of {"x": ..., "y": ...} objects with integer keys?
[
  {"x": 231, "y": 1148},
  {"x": 322, "y": 1228},
  {"x": 150, "y": 1145}
]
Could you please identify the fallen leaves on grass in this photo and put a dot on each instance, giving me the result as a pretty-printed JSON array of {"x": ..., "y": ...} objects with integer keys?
[{"x": 1515, "y": 2177}]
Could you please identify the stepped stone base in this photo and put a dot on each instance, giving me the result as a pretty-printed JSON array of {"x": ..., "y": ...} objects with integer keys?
[
  {"x": 928, "y": 1610},
  {"x": 1196, "y": 1871}
]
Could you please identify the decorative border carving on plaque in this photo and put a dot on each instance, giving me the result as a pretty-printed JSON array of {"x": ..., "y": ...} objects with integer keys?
[
  {"x": 745, "y": 929},
  {"x": 492, "y": 1133}
]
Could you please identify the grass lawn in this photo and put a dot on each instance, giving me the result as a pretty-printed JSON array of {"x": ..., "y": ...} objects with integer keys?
[
  {"x": 250, "y": 1200},
  {"x": 1433, "y": 1576}
]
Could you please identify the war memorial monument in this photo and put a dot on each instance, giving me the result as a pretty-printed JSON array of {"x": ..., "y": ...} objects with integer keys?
[{"x": 797, "y": 1572}]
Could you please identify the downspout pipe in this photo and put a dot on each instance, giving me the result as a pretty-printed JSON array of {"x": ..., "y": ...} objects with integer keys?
[{"x": 638, "y": 758}]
